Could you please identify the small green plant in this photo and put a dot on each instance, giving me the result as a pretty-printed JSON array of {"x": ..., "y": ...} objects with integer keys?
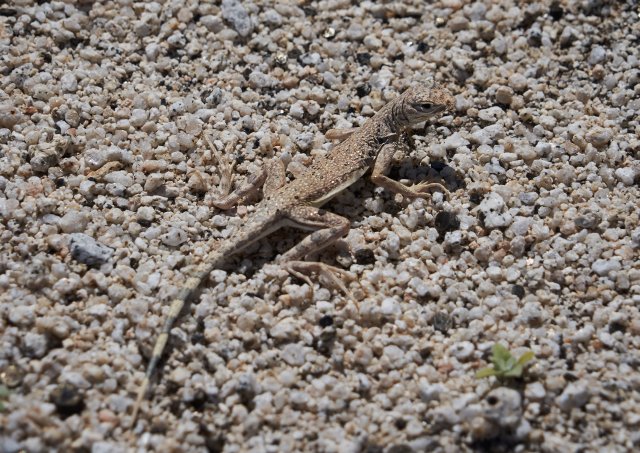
[
  {"x": 4, "y": 394},
  {"x": 504, "y": 364}
]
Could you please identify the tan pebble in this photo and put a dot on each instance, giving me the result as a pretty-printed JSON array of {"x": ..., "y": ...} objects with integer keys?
[
  {"x": 106, "y": 416},
  {"x": 106, "y": 168},
  {"x": 568, "y": 228},
  {"x": 154, "y": 166},
  {"x": 197, "y": 183}
]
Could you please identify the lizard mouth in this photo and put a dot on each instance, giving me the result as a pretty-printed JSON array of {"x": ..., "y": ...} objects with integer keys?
[{"x": 432, "y": 111}]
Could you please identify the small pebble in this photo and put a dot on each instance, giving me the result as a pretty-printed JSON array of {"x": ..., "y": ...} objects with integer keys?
[
  {"x": 73, "y": 222},
  {"x": 174, "y": 237},
  {"x": 235, "y": 13},
  {"x": 575, "y": 395},
  {"x": 87, "y": 250}
]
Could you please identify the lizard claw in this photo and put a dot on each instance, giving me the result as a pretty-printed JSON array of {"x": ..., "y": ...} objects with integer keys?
[
  {"x": 327, "y": 274},
  {"x": 424, "y": 187}
]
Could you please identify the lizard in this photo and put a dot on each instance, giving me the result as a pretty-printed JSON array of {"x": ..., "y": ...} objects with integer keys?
[{"x": 298, "y": 202}]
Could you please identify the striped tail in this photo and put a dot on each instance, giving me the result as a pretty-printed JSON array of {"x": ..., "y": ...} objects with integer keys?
[
  {"x": 251, "y": 232},
  {"x": 176, "y": 307}
]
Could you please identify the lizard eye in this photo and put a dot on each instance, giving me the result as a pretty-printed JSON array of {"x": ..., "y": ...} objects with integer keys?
[{"x": 426, "y": 106}]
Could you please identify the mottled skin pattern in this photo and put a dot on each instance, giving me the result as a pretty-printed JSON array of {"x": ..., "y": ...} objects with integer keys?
[{"x": 297, "y": 203}]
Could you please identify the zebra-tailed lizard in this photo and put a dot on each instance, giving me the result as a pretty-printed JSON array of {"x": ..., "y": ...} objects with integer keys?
[{"x": 298, "y": 202}]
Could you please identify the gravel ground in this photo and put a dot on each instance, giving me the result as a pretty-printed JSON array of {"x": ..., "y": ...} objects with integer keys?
[{"x": 105, "y": 185}]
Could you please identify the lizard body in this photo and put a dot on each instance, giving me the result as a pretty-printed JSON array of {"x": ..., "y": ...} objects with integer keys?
[{"x": 297, "y": 203}]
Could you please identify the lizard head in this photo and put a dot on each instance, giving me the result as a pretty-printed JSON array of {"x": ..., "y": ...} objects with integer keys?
[{"x": 422, "y": 102}]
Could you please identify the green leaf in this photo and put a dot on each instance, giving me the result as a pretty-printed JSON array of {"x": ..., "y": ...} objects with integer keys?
[
  {"x": 485, "y": 372},
  {"x": 516, "y": 371},
  {"x": 526, "y": 357},
  {"x": 502, "y": 358}
]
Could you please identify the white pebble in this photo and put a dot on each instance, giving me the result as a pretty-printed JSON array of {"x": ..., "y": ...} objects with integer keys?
[
  {"x": 626, "y": 175},
  {"x": 390, "y": 307},
  {"x": 575, "y": 395},
  {"x": 174, "y": 237},
  {"x": 293, "y": 354},
  {"x": 462, "y": 350},
  {"x": 73, "y": 221},
  {"x": 535, "y": 391}
]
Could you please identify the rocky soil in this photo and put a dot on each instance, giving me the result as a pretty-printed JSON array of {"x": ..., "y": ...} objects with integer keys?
[{"x": 105, "y": 189}]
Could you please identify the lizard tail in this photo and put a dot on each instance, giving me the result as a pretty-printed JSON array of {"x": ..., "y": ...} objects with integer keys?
[
  {"x": 241, "y": 239},
  {"x": 176, "y": 307}
]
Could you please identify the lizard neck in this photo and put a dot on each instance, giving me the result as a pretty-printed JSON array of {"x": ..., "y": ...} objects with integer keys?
[{"x": 396, "y": 117}]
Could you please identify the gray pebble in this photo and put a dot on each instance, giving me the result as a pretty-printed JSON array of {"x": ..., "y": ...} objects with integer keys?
[
  {"x": 259, "y": 79},
  {"x": 41, "y": 162},
  {"x": 575, "y": 395},
  {"x": 69, "y": 82},
  {"x": 431, "y": 392},
  {"x": 145, "y": 214},
  {"x": 395, "y": 355},
  {"x": 487, "y": 135},
  {"x": 599, "y": 136},
  {"x": 604, "y": 267},
  {"x": 390, "y": 307},
  {"x": 22, "y": 315},
  {"x": 235, "y": 13},
  {"x": 597, "y": 55},
  {"x": 584, "y": 334},
  {"x": 87, "y": 250},
  {"x": 491, "y": 114},
  {"x": 35, "y": 345}
]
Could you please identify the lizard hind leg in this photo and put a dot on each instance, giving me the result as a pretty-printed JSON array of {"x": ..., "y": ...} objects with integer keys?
[{"x": 329, "y": 228}]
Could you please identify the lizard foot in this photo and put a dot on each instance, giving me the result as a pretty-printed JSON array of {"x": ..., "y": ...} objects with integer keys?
[
  {"x": 328, "y": 275},
  {"x": 423, "y": 188}
]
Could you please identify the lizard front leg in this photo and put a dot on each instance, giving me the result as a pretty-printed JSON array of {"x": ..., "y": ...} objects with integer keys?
[
  {"x": 382, "y": 166},
  {"x": 330, "y": 227},
  {"x": 276, "y": 177},
  {"x": 340, "y": 134},
  {"x": 271, "y": 176}
]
